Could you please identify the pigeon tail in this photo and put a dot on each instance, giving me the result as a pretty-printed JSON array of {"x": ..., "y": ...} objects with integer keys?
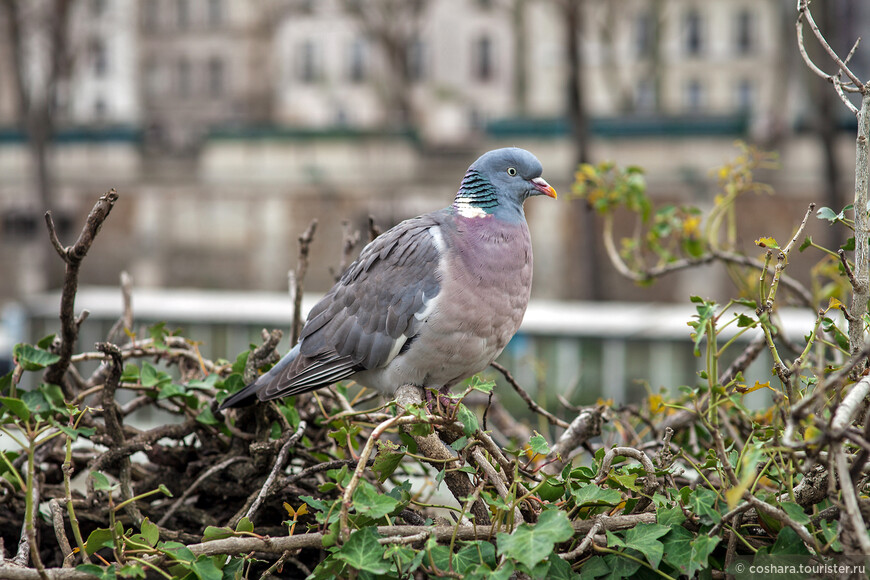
[{"x": 248, "y": 395}]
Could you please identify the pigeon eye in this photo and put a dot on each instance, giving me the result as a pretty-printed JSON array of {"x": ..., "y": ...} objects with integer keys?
[{"x": 512, "y": 171}]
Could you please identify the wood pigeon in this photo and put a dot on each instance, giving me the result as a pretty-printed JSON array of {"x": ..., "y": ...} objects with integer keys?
[{"x": 430, "y": 302}]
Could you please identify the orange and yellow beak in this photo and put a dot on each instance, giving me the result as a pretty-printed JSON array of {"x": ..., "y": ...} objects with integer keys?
[{"x": 544, "y": 187}]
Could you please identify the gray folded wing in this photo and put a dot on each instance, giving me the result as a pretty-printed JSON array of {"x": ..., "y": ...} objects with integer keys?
[{"x": 368, "y": 315}]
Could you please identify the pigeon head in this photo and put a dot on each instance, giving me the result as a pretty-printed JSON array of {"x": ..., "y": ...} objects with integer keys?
[{"x": 499, "y": 182}]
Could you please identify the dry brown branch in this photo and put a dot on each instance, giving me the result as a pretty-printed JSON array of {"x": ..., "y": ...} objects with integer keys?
[
  {"x": 650, "y": 485},
  {"x": 205, "y": 475},
  {"x": 298, "y": 279},
  {"x": 59, "y": 531},
  {"x": 525, "y": 396},
  {"x": 280, "y": 460},
  {"x": 805, "y": 14},
  {"x": 349, "y": 240},
  {"x": 244, "y": 545},
  {"x": 495, "y": 478},
  {"x": 433, "y": 448},
  {"x": 125, "y": 321},
  {"x": 780, "y": 516},
  {"x": 263, "y": 354},
  {"x": 72, "y": 257},
  {"x": 585, "y": 426},
  {"x": 597, "y": 527},
  {"x": 850, "y": 517}
]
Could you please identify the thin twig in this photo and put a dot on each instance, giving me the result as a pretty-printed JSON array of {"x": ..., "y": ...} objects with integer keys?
[
  {"x": 525, "y": 396},
  {"x": 193, "y": 486},
  {"x": 804, "y": 10},
  {"x": 299, "y": 279},
  {"x": 586, "y": 543},
  {"x": 280, "y": 460}
]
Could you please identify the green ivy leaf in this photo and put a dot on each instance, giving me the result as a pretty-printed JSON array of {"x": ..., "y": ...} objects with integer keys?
[
  {"x": 151, "y": 377},
  {"x": 474, "y": 554},
  {"x": 367, "y": 501},
  {"x": 645, "y": 539},
  {"x": 670, "y": 516},
  {"x": 177, "y": 551},
  {"x": 529, "y": 544},
  {"x": 593, "y": 568},
  {"x": 483, "y": 386},
  {"x": 169, "y": 389},
  {"x": 678, "y": 550},
  {"x": 33, "y": 359},
  {"x": 388, "y": 459},
  {"x": 241, "y": 362},
  {"x": 132, "y": 571},
  {"x": 468, "y": 419},
  {"x": 560, "y": 569},
  {"x": 101, "y": 482},
  {"x": 36, "y": 402},
  {"x": 215, "y": 533},
  {"x": 826, "y": 213},
  {"x": 99, "y": 539},
  {"x": 73, "y": 434},
  {"x": 363, "y": 552},
  {"x": 702, "y": 502},
  {"x": 795, "y": 512},
  {"x": 130, "y": 374},
  {"x": 539, "y": 445},
  {"x": 788, "y": 542},
  {"x": 150, "y": 532},
  {"x": 205, "y": 569},
  {"x": 702, "y": 547},
  {"x": 206, "y": 417},
  {"x": 17, "y": 407},
  {"x": 107, "y": 573},
  {"x": 245, "y": 525},
  {"x": 593, "y": 495}
]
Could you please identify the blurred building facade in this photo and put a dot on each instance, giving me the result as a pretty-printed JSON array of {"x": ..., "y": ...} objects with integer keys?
[{"x": 227, "y": 125}]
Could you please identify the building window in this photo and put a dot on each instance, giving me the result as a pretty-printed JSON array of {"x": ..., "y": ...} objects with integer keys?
[
  {"x": 692, "y": 33},
  {"x": 356, "y": 70},
  {"x": 98, "y": 8},
  {"x": 308, "y": 59},
  {"x": 99, "y": 58},
  {"x": 183, "y": 77},
  {"x": 416, "y": 61},
  {"x": 694, "y": 96},
  {"x": 644, "y": 35},
  {"x": 99, "y": 109},
  {"x": 483, "y": 59},
  {"x": 182, "y": 14},
  {"x": 153, "y": 85},
  {"x": 645, "y": 96},
  {"x": 215, "y": 13},
  {"x": 150, "y": 10},
  {"x": 215, "y": 77},
  {"x": 745, "y": 95},
  {"x": 745, "y": 33}
]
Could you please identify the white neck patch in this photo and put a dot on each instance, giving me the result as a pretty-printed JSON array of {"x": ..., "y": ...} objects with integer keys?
[{"x": 467, "y": 210}]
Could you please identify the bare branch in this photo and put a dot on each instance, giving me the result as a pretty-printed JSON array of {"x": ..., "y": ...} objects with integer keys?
[
  {"x": 299, "y": 279},
  {"x": 804, "y": 13},
  {"x": 266, "y": 489},
  {"x": 525, "y": 396},
  {"x": 73, "y": 258}
]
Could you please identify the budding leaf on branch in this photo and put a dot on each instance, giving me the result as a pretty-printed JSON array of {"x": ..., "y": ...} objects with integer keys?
[{"x": 538, "y": 444}]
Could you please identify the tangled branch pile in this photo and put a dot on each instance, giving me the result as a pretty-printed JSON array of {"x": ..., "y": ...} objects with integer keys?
[{"x": 337, "y": 484}]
